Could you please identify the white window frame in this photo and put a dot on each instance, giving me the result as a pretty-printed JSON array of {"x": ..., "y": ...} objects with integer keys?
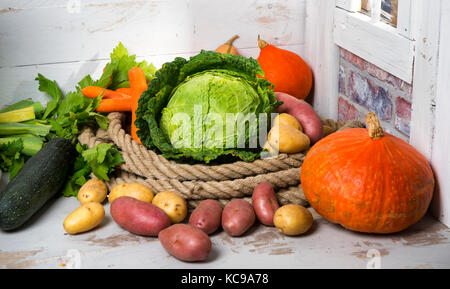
[
  {"x": 390, "y": 48},
  {"x": 429, "y": 30}
]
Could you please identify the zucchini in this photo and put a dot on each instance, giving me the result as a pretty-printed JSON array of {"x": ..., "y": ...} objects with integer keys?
[{"x": 40, "y": 179}]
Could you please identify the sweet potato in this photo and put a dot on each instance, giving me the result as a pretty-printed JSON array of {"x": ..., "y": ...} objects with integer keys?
[
  {"x": 237, "y": 217},
  {"x": 265, "y": 203},
  {"x": 304, "y": 113},
  {"x": 139, "y": 217},
  {"x": 207, "y": 216},
  {"x": 185, "y": 242}
]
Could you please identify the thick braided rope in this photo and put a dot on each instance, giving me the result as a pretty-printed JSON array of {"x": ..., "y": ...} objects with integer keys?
[
  {"x": 289, "y": 192},
  {"x": 199, "y": 190},
  {"x": 198, "y": 182},
  {"x": 143, "y": 162}
]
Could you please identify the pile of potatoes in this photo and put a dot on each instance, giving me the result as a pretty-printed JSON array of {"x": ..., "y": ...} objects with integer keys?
[
  {"x": 91, "y": 212},
  {"x": 135, "y": 208}
]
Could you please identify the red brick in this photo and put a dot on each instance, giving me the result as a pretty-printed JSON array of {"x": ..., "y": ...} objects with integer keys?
[
  {"x": 375, "y": 98},
  {"x": 399, "y": 85},
  {"x": 375, "y": 71},
  {"x": 346, "y": 110},
  {"x": 403, "y": 115},
  {"x": 342, "y": 76},
  {"x": 352, "y": 58}
]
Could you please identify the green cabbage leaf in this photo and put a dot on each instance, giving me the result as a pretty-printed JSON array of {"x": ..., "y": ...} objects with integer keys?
[{"x": 213, "y": 107}]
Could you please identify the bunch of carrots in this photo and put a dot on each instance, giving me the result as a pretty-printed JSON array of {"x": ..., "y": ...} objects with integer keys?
[{"x": 122, "y": 99}]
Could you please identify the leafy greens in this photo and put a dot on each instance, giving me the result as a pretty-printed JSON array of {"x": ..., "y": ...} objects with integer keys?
[
  {"x": 100, "y": 160},
  {"x": 208, "y": 87}
]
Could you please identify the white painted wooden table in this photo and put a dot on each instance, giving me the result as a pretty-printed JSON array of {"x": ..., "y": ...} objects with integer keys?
[
  {"x": 66, "y": 43},
  {"x": 43, "y": 243}
]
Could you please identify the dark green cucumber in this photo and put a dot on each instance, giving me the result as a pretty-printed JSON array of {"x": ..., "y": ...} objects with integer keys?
[{"x": 40, "y": 179}]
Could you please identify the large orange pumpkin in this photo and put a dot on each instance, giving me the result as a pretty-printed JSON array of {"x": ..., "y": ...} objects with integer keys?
[
  {"x": 286, "y": 70},
  {"x": 367, "y": 180}
]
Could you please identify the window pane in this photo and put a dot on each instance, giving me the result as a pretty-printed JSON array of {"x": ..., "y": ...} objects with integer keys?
[{"x": 389, "y": 10}]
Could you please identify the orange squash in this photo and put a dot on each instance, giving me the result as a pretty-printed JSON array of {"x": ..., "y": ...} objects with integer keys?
[
  {"x": 286, "y": 70},
  {"x": 228, "y": 47},
  {"x": 367, "y": 180}
]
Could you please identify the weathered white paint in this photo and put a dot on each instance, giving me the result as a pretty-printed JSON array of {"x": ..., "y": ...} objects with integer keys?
[
  {"x": 43, "y": 243},
  {"x": 65, "y": 41},
  {"x": 349, "y": 5},
  {"x": 375, "y": 10},
  {"x": 425, "y": 76},
  {"x": 378, "y": 43},
  {"x": 18, "y": 82},
  {"x": 53, "y": 33},
  {"x": 441, "y": 141},
  {"x": 422, "y": 39},
  {"x": 406, "y": 18},
  {"x": 323, "y": 56}
]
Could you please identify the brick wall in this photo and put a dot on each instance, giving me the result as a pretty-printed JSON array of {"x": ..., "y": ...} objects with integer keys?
[{"x": 363, "y": 87}]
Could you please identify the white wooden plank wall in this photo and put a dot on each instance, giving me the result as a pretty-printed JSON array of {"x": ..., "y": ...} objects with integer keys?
[
  {"x": 441, "y": 142},
  {"x": 65, "y": 40},
  {"x": 323, "y": 56}
]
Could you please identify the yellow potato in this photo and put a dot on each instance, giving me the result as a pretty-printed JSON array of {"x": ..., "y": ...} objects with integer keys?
[
  {"x": 272, "y": 151},
  {"x": 288, "y": 139},
  {"x": 293, "y": 220},
  {"x": 172, "y": 204},
  {"x": 93, "y": 190},
  {"x": 287, "y": 119},
  {"x": 134, "y": 190},
  {"x": 85, "y": 218}
]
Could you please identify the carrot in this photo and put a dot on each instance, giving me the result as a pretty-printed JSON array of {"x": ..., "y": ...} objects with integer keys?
[
  {"x": 94, "y": 91},
  {"x": 125, "y": 90},
  {"x": 138, "y": 85},
  {"x": 137, "y": 79},
  {"x": 116, "y": 104}
]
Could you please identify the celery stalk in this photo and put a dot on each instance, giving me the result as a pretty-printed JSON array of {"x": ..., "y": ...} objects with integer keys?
[
  {"x": 9, "y": 129},
  {"x": 18, "y": 115},
  {"x": 31, "y": 144},
  {"x": 37, "y": 106}
]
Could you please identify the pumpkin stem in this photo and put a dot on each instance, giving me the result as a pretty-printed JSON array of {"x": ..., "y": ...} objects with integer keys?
[
  {"x": 230, "y": 42},
  {"x": 232, "y": 39},
  {"x": 373, "y": 123},
  {"x": 261, "y": 43}
]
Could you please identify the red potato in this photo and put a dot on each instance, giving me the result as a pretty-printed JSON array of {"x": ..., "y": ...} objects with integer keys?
[
  {"x": 237, "y": 217},
  {"x": 304, "y": 113},
  {"x": 186, "y": 243},
  {"x": 139, "y": 217},
  {"x": 207, "y": 216},
  {"x": 265, "y": 203}
]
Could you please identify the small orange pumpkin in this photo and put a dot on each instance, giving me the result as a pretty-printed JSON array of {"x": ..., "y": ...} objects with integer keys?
[
  {"x": 367, "y": 180},
  {"x": 286, "y": 70},
  {"x": 228, "y": 47}
]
